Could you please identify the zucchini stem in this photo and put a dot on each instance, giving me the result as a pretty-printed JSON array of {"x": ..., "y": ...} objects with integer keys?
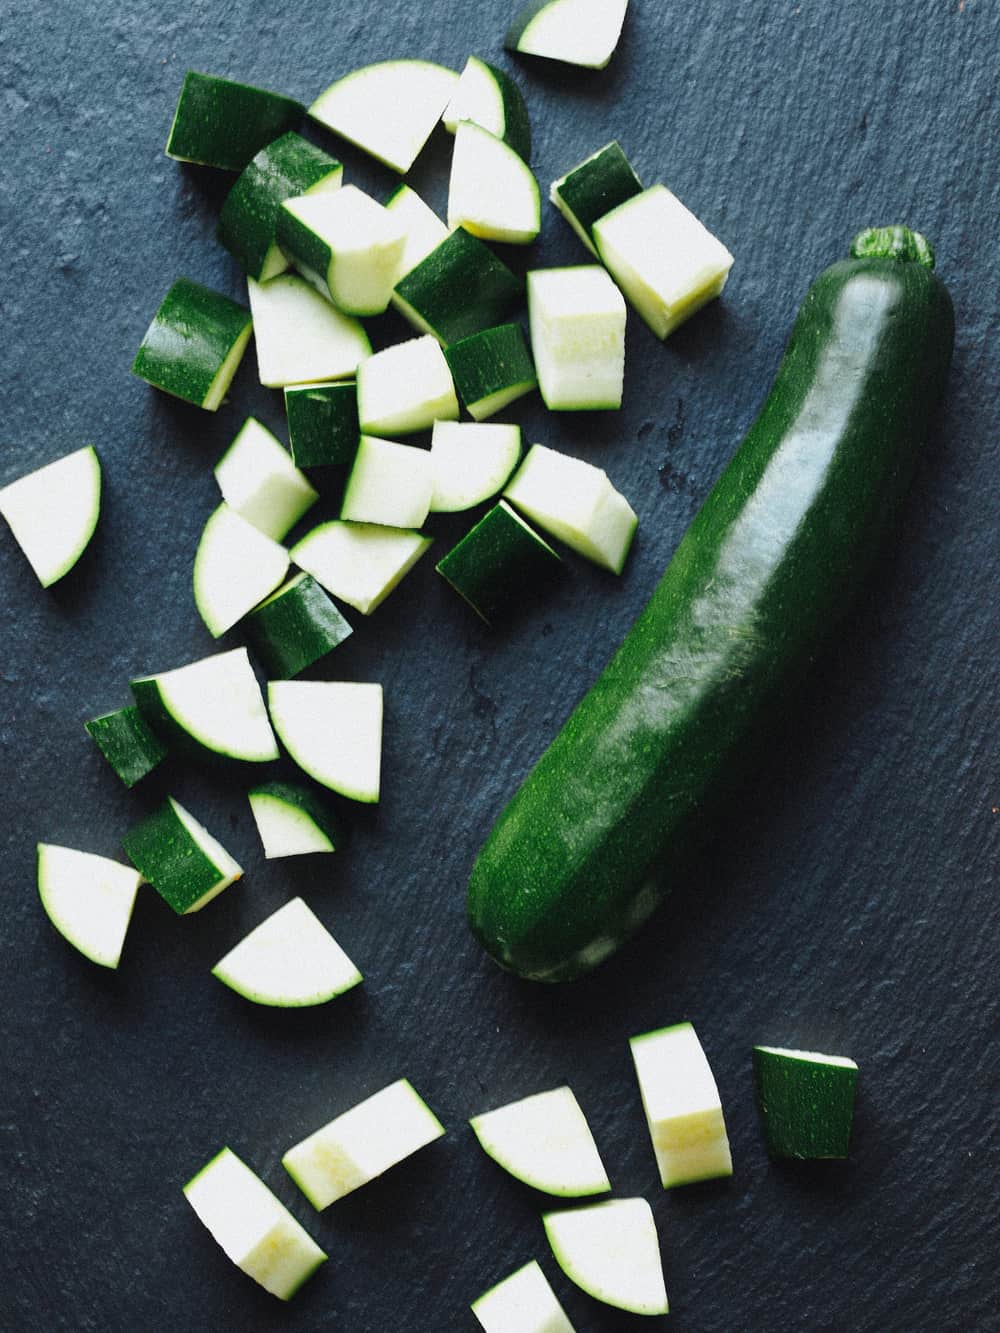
[{"x": 893, "y": 243}]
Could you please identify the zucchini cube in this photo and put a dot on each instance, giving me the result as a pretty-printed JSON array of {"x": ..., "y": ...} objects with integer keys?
[
  {"x": 577, "y": 318},
  {"x": 500, "y": 563},
  {"x": 295, "y": 627},
  {"x": 323, "y": 428},
  {"x": 405, "y": 388},
  {"x": 492, "y": 369},
  {"x": 127, "y": 743},
  {"x": 460, "y": 288},
  {"x": 180, "y": 858},
  {"x": 806, "y": 1101},
  {"x": 194, "y": 345},
  {"x": 219, "y": 123},
  {"x": 593, "y": 188}
]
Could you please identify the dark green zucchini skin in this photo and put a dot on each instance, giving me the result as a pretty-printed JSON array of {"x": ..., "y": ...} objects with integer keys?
[{"x": 596, "y": 835}]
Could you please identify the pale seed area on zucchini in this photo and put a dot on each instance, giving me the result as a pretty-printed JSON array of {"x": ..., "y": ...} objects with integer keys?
[
  {"x": 545, "y": 1141},
  {"x": 333, "y": 731},
  {"x": 612, "y": 1252}
]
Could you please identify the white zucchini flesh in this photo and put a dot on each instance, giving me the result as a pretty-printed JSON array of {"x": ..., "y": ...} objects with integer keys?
[
  {"x": 577, "y": 32},
  {"x": 235, "y": 567},
  {"x": 253, "y": 1227},
  {"x": 363, "y": 240},
  {"x": 360, "y": 563},
  {"x": 301, "y": 338},
  {"x": 333, "y": 731},
  {"x": 577, "y": 320},
  {"x": 89, "y": 899},
  {"x": 545, "y": 1141},
  {"x": 53, "y": 512},
  {"x": 577, "y": 503},
  {"x": 406, "y": 388},
  {"x": 389, "y": 484},
  {"x": 682, "y": 1105},
  {"x": 611, "y": 1251},
  {"x": 664, "y": 259},
  {"x": 218, "y": 702},
  {"x": 389, "y": 109},
  {"x": 522, "y": 1303},
  {"x": 286, "y": 829},
  {"x": 492, "y": 192},
  {"x": 362, "y": 1144},
  {"x": 423, "y": 229},
  {"x": 477, "y": 97},
  {"x": 258, "y": 479},
  {"x": 289, "y": 961},
  {"x": 470, "y": 462}
]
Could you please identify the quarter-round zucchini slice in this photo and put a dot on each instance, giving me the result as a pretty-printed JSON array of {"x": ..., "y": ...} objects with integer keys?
[
  {"x": 424, "y": 230},
  {"x": 470, "y": 462},
  {"x": 806, "y": 1101},
  {"x": 127, "y": 743},
  {"x": 212, "y": 705},
  {"x": 323, "y": 428},
  {"x": 185, "y": 865},
  {"x": 491, "y": 369},
  {"x": 219, "y": 123},
  {"x": 500, "y": 564},
  {"x": 89, "y": 899},
  {"x": 388, "y": 109},
  {"x": 289, "y": 961},
  {"x": 611, "y": 1251},
  {"x": 194, "y": 345},
  {"x": 545, "y": 1141},
  {"x": 577, "y": 32},
  {"x": 389, "y": 483},
  {"x": 235, "y": 567},
  {"x": 361, "y": 563},
  {"x": 292, "y": 820},
  {"x": 593, "y": 188},
  {"x": 406, "y": 388},
  {"x": 53, "y": 512},
  {"x": 258, "y": 479},
  {"x": 333, "y": 731},
  {"x": 301, "y": 337},
  {"x": 488, "y": 97},
  {"x": 522, "y": 1303},
  {"x": 295, "y": 627},
  {"x": 492, "y": 192},
  {"x": 460, "y": 288}
]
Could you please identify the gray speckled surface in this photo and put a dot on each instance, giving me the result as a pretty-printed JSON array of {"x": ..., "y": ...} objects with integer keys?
[{"x": 849, "y": 901}]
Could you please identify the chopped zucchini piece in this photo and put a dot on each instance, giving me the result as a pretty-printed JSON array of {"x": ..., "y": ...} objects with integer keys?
[
  {"x": 289, "y": 961},
  {"x": 389, "y": 483},
  {"x": 522, "y": 1303},
  {"x": 258, "y": 479},
  {"x": 577, "y": 32},
  {"x": 545, "y": 1141},
  {"x": 53, "y": 512},
  {"x": 292, "y": 820},
  {"x": 593, "y": 188},
  {"x": 492, "y": 369},
  {"x": 194, "y": 345},
  {"x": 577, "y": 318},
  {"x": 360, "y": 563},
  {"x": 460, "y": 288},
  {"x": 235, "y": 566},
  {"x": 806, "y": 1101},
  {"x": 499, "y": 564},
  {"x": 300, "y": 336},
  {"x": 488, "y": 97},
  {"x": 295, "y": 627},
  {"x": 333, "y": 731},
  {"x": 611, "y": 1251},
  {"x": 424, "y": 230},
  {"x": 492, "y": 191},
  {"x": 405, "y": 388},
  {"x": 219, "y": 123},
  {"x": 185, "y": 865},
  {"x": 470, "y": 462},
  {"x": 323, "y": 428},
  {"x": 127, "y": 743},
  {"x": 89, "y": 899}
]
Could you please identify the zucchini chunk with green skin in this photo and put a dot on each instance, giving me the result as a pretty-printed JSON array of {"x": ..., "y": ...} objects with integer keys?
[
  {"x": 577, "y": 32},
  {"x": 235, "y": 566},
  {"x": 219, "y": 123},
  {"x": 333, "y": 731},
  {"x": 611, "y": 1251},
  {"x": 300, "y": 336},
  {"x": 349, "y": 242},
  {"x": 492, "y": 191},
  {"x": 545, "y": 1141},
  {"x": 89, "y": 899},
  {"x": 360, "y": 563},
  {"x": 492, "y": 369},
  {"x": 405, "y": 388},
  {"x": 424, "y": 230},
  {"x": 488, "y": 97},
  {"x": 323, "y": 428},
  {"x": 194, "y": 345},
  {"x": 185, "y": 865},
  {"x": 253, "y": 1227},
  {"x": 806, "y": 1101},
  {"x": 292, "y": 820},
  {"x": 259, "y": 480},
  {"x": 460, "y": 288},
  {"x": 593, "y": 188},
  {"x": 213, "y": 706},
  {"x": 362, "y": 1144},
  {"x": 605, "y": 823},
  {"x": 289, "y": 961},
  {"x": 389, "y": 483},
  {"x": 522, "y": 1303},
  {"x": 577, "y": 319},
  {"x": 127, "y": 743},
  {"x": 248, "y": 222},
  {"x": 499, "y": 564},
  {"x": 389, "y": 110},
  {"x": 53, "y": 512},
  {"x": 665, "y": 261},
  {"x": 470, "y": 462},
  {"x": 576, "y": 502},
  {"x": 295, "y": 627},
  {"x": 682, "y": 1106}
]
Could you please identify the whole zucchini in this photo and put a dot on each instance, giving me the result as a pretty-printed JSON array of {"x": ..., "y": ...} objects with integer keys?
[{"x": 597, "y": 833}]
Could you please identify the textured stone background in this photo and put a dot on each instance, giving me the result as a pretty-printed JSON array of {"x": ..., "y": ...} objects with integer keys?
[{"x": 849, "y": 900}]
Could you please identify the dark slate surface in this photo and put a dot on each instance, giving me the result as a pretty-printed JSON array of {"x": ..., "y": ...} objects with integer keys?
[{"x": 849, "y": 901}]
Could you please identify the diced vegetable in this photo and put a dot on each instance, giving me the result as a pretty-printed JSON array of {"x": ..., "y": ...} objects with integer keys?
[
  {"x": 460, "y": 288},
  {"x": 545, "y": 1141},
  {"x": 522, "y": 1303},
  {"x": 388, "y": 109},
  {"x": 593, "y": 188},
  {"x": 806, "y": 1101},
  {"x": 300, "y": 336},
  {"x": 491, "y": 369},
  {"x": 665, "y": 261},
  {"x": 488, "y": 97},
  {"x": 470, "y": 462},
  {"x": 362, "y": 1143},
  {"x": 405, "y": 388},
  {"x": 577, "y": 318},
  {"x": 53, "y": 512},
  {"x": 682, "y": 1106},
  {"x": 333, "y": 731},
  {"x": 360, "y": 563},
  {"x": 295, "y": 627},
  {"x": 289, "y": 961},
  {"x": 424, "y": 229},
  {"x": 389, "y": 483},
  {"x": 292, "y": 820},
  {"x": 255, "y": 1230},
  {"x": 612, "y": 1252},
  {"x": 577, "y": 32},
  {"x": 576, "y": 502},
  {"x": 258, "y": 479},
  {"x": 323, "y": 428},
  {"x": 185, "y": 865},
  {"x": 492, "y": 191},
  {"x": 127, "y": 743},
  {"x": 235, "y": 566},
  {"x": 219, "y": 123},
  {"x": 248, "y": 222},
  {"x": 89, "y": 899},
  {"x": 194, "y": 345},
  {"x": 500, "y": 563}
]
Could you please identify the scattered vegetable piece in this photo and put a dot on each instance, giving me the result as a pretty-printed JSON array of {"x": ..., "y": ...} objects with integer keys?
[
  {"x": 289, "y": 961},
  {"x": 127, "y": 743},
  {"x": 545, "y": 1141},
  {"x": 235, "y": 566},
  {"x": 492, "y": 369},
  {"x": 460, "y": 288},
  {"x": 260, "y": 482},
  {"x": 577, "y": 32},
  {"x": 389, "y": 483},
  {"x": 593, "y": 188},
  {"x": 295, "y": 627},
  {"x": 522, "y": 1303},
  {"x": 806, "y": 1101},
  {"x": 500, "y": 563},
  {"x": 492, "y": 192},
  {"x": 360, "y": 563},
  {"x": 89, "y": 899},
  {"x": 185, "y": 865},
  {"x": 333, "y": 731},
  {"x": 612, "y": 1252},
  {"x": 292, "y": 820},
  {"x": 470, "y": 462},
  {"x": 194, "y": 345},
  {"x": 300, "y": 336},
  {"x": 488, "y": 97},
  {"x": 424, "y": 229},
  {"x": 53, "y": 512},
  {"x": 577, "y": 318},
  {"x": 219, "y": 123},
  {"x": 323, "y": 428},
  {"x": 405, "y": 388}
]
